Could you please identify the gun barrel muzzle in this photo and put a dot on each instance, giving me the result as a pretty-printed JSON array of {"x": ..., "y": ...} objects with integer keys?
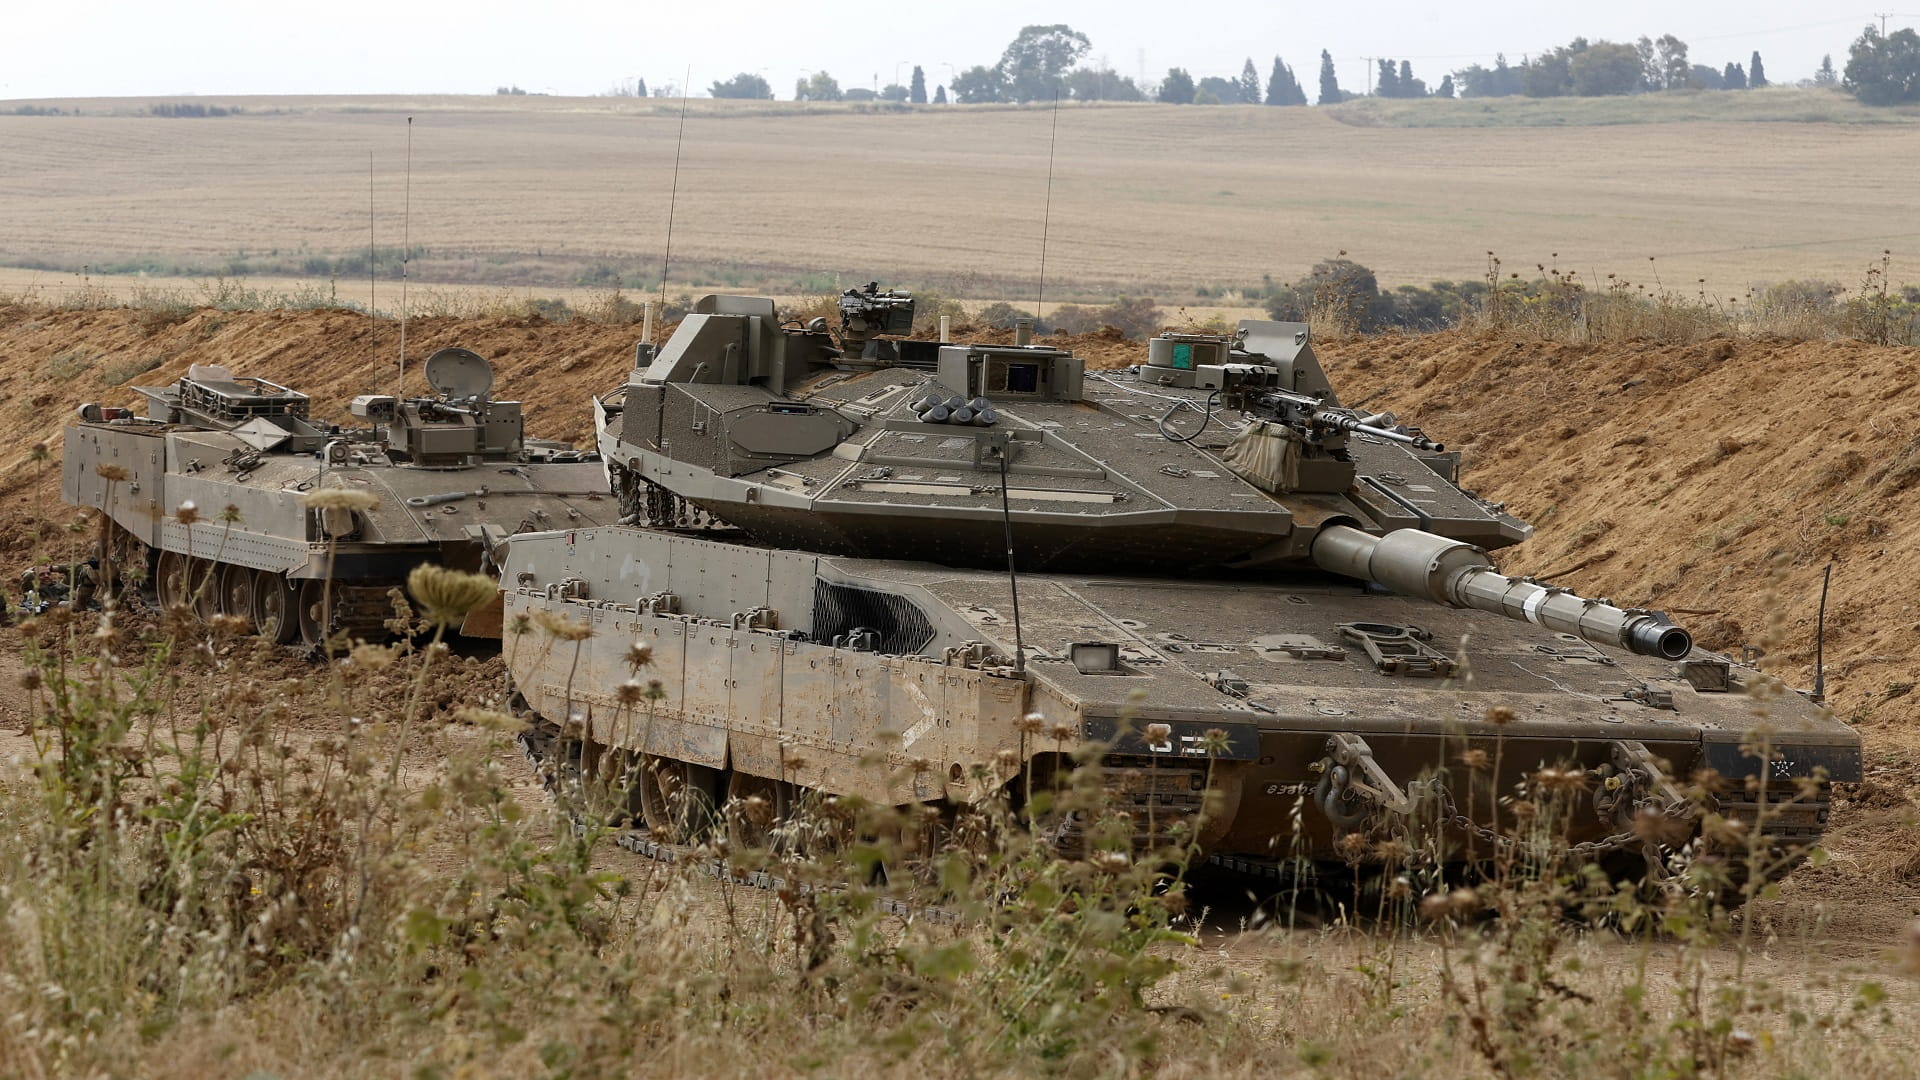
[{"x": 1452, "y": 572}]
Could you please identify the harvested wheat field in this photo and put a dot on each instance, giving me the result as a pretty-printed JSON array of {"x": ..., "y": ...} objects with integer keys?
[
  {"x": 474, "y": 935},
  {"x": 1161, "y": 200}
]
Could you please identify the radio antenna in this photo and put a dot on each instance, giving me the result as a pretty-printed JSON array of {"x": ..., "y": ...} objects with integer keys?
[
  {"x": 1013, "y": 576},
  {"x": 406, "y": 253},
  {"x": 1820, "y": 640},
  {"x": 673, "y": 198},
  {"x": 1046, "y": 217},
  {"x": 373, "y": 277}
]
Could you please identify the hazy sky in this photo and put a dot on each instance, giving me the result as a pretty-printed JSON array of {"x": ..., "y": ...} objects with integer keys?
[{"x": 147, "y": 47}]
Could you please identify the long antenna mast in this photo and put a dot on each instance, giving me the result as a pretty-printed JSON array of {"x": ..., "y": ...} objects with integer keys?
[
  {"x": 673, "y": 199},
  {"x": 406, "y": 253},
  {"x": 1046, "y": 217},
  {"x": 373, "y": 277}
]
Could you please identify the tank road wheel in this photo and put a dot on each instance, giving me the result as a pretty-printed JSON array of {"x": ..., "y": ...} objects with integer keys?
[
  {"x": 758, "y": 810},
  {"x": 311, "y": 611},
  {"x": 236, "y": 592},
  {"x": 203, "y": 587},
  {"x": 172, "y": 585},
  {"x": 273, "y": 602},
  {"x": 677, "y": 798}
]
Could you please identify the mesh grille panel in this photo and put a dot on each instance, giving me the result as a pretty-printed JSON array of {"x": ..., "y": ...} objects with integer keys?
[{"x": 899, "y": 624}]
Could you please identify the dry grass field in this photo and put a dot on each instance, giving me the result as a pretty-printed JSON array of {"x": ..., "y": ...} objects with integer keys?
[{"x": 512, "y": 192}]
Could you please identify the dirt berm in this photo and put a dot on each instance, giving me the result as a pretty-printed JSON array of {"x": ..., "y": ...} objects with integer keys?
[{"x": 1713, "y": 480}]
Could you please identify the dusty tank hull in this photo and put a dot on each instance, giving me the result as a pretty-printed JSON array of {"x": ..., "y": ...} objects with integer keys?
[
  {"x": 444, "y": 489},
  {"x": 895, "y": 682},
  {"x": 1273, "y": 612}
]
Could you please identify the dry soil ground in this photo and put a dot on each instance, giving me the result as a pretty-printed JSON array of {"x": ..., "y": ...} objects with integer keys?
[{"x": 1148, "y": 198}]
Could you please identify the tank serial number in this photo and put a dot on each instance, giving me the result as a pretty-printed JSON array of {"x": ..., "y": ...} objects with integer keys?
[{"x": 1301, "y": 788}]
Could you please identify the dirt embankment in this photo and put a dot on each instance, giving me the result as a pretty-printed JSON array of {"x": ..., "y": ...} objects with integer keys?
[{"x": 1716, "y": 480}]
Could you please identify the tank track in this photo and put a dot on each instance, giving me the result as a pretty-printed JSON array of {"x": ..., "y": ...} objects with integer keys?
[
  {"x": 546, "y": 750},
  {"x": 1787, "y": 828}
]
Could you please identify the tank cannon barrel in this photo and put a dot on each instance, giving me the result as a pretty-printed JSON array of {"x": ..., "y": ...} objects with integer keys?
[{"x": 1452, "y": 572}]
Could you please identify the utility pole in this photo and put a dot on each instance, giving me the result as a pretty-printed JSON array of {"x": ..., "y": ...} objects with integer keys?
[
  {"x": 1882, "y": 15},
  {"x": 1368, "y": 60}
]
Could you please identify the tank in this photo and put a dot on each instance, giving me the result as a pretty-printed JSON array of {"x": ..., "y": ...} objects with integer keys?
[
  {"x": 921, "y": 572},
  {"x": 450, "y": 474}
]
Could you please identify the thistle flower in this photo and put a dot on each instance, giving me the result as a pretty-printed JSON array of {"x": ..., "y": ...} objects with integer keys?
[
  {"x": 1474, "y": 758},
  {"x": 519, "y": 625},
  {"x": 447, "y": 594},
  {"x": 230, "y": 514},
  {"x": 187, "y": 513},
  {"x": 631, "y": 693},
  {"x": 1033, "y": 724},
  {"x": 559, "y": 627},
  {"x": 1158, "y": 733},
  {"x": 1007, "y": 760},
  {"x": 40, "y": 452},
  {"x": 340, "y": 499},
  {"x": 639, "y": 655},
  {"x": 113, "y": 474}
]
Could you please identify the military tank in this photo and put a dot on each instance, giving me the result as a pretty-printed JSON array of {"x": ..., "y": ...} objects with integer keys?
[
  {"x": 922, "y": 572},
  {"x": 451, "y": 475}
]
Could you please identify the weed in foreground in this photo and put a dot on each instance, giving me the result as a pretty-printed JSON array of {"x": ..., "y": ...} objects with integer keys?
[{"x": 219, "y": 863}]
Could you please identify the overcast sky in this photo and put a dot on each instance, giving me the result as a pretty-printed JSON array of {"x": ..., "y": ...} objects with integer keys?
[{"x": 147, "y": 47}]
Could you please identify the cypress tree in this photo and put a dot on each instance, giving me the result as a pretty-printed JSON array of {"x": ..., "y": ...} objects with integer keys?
[
  {"x": 917, "y": 93},
  {"x": 1249, "y": 84},
  {"x": 1756, "y": 72},
  {"x": 1330, "y": 84}
]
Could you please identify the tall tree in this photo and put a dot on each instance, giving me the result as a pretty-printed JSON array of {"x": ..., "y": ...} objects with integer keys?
[
  {"x": 1329, "y": 82},
  {"x": 640, "y": 88},
  {"x": 1388, "y": 84},
  {"x": 940, "y": 94},
  {"x": 1756, "y": 72},
  {"x": 1410, "y": 86},
  {"x": 1824, "y": 75},
  {"x": 1884, "y": 70},
  {"x": 1249, "y": 84},
  {"x": 1037, "y": 60},
  {"x": 1675, "y": 70},
  {"x": 1445, "y": 89},
  {"x": 1734, "y": 76},
  {"x": 1284, "y": 88},
  {"x": 1176, "y": 88},
  {"x": 917, "y": 90}
]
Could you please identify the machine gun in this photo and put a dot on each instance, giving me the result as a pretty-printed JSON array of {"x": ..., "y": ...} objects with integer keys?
[
  {"x": 866, "y": 313},
  {"x": 1249, "y": 388}
]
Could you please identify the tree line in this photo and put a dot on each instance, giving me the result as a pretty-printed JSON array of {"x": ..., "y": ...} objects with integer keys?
[{"x": 1044, "y": 63}]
